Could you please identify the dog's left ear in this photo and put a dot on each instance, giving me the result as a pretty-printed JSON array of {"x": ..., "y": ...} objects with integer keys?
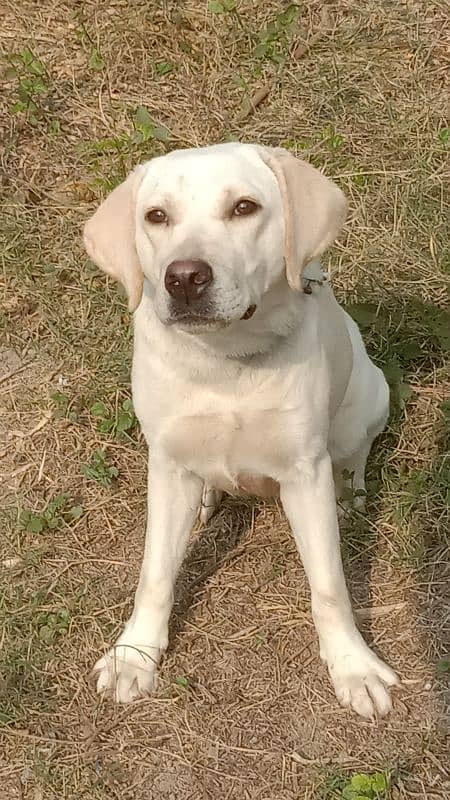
[
  {"x": 109, "y": 237},
  {"x": 314, "y": 210}
]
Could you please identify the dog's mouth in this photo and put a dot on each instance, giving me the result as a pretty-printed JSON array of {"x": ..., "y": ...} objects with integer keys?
[
  {"x": 194, "y": 323},
  {"x": 203, "y": 326}
]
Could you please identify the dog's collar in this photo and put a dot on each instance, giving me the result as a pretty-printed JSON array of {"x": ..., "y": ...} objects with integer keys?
[{"x": 313, "y": 275}]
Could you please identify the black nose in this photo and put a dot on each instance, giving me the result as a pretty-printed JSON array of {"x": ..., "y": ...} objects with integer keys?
[{"x": 187, "y": 280}]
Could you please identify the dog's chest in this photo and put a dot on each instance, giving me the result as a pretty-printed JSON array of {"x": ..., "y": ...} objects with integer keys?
[
  {"x": 242, "y": 451},
  {"x": 240, "y": 428}
]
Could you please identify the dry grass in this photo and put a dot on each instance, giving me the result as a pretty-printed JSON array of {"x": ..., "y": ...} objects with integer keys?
[{"x": 244, "y": 710}]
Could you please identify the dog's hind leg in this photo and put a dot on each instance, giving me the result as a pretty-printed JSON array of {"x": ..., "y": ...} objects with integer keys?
[{"x": 211, "y": 499}]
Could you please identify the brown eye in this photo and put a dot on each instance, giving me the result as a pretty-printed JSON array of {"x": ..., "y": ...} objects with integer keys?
[
  {"x": 244, "y": 208},
  {"x": 156, "y": 216}
]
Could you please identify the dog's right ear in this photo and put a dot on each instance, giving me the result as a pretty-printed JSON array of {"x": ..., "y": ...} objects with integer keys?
[{"x": 109, "y": 237}]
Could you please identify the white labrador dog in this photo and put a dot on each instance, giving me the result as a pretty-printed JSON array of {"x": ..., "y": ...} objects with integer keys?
[{"x": 247, "y": 377}]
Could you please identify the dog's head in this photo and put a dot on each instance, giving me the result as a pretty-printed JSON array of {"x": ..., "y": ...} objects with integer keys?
[{"x": 213, "y": 229}]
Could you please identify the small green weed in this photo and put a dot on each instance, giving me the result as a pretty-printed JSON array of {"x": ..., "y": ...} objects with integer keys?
[
  {"x": 332, "y": 139},
  {"x": 401, "y": 338},
  {"x": 66, "y": 407},
  {"x": 273, "y": 42},
  {"x": 182, "y": 681},
  {"x": 95, "y": 60},
  {"x": 410, "y": 489},
  {"x": 401, "y": 391},
  {"x": 57, "y": 513},
  {"x": 116, "y": 422},
  {"x": 443, "y": 666},
  {"x": 61, "y": 401},
  {"x": 360, "y": 178},
  {"x": 51, "y": 625},
  {"x": 444, "y": 135},
  {"x": 295, "y": 144},
  {"x": 222, "y": 7},
  {"x": 164, "y": 68},
  {"x": 360, "y": 786},
  {"x": 99, "y": 469},
  {"x": 110, "y": 158},
  {"x": 145, "y": 128},
  {"x": 32, "y": 83}
]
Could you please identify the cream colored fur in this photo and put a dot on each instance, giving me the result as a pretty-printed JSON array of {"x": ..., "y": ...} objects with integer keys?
[{"x": 281, "y": 402}]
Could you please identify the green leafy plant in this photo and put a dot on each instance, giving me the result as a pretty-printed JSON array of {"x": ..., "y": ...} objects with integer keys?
[
  {"x": 363, "y": 786},
  {"x": 222, "y": 6},
  {"x": 273, "y": 42},
  {"x": 295, "y": 144},
  {"x": 115, "y": 422},
  {"x": 444, "y": 135},
  {"x": 95, "y": 60},
  {"x": 401, "y": 391},
  {"x": 61, "y": 401},
  {"x": 360, "y": 786},
  {"x": 51, "y": 625},
  {"x": 332, "y": 139},
  {"x": 32, "y": 83},
  {"x": 146, "y": 129},
  {"x": 360, "y": 178},
  {"x": 443, "y": 666},
  {"x": 182, "y": 681},
  {"x": 55, "y": 515},
  {"x": 164, "y": 68},
  {"x": 99, "y": 469},
  {"x": 128, "y": 147},
  {"x": 66, "y": 407}
]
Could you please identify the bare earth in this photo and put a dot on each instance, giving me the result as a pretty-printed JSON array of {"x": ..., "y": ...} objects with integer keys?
[{"x": 244, "y": 708}]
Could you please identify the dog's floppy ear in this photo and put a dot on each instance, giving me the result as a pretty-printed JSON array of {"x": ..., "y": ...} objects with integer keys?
[
  {"x": 314, "y": 210},
  {"x": 109, "y": 237}
]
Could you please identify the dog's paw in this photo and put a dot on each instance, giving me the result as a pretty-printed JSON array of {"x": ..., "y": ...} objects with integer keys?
[
  {"x": 127, "y": 671},
  {"x": 361, "y": 681}
]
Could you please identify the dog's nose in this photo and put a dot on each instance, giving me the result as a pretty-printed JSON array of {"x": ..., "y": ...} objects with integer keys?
[{"x": 187, "y": 280}]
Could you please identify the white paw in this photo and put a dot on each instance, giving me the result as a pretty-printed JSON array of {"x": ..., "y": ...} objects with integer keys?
[
  {"x": 210, "y": 501},
  {"x": 127, "y": 671},
  {"x": 361, "y": 680}
]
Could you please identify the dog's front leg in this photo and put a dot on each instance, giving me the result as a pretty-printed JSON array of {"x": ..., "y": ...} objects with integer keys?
[
  {"x": 359, "y": 677},
  {"x": 128, "y": 670}
]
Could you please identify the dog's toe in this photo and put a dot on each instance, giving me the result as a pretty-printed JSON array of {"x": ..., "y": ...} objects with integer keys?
[
  {"x": 362, "y": 681},
  {"x": 127, "y": 672}
]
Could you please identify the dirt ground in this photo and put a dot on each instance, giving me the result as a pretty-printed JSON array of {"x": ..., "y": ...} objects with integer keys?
[{"x": 244, "y": 708}]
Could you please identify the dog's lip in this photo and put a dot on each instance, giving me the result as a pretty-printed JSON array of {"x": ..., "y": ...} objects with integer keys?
[
  {"x": 194, "y": 319},
  {"x": 250, "y": 311},
  {"x": 203, "y": 320}
]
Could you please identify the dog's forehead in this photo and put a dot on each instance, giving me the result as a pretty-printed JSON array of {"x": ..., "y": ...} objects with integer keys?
[{"x": 207, "y": 169}]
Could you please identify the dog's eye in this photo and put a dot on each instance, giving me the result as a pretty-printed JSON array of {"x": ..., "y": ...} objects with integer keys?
[
  {"x": 156, "y": 216},
  {"x": 244, "y": 208}
]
